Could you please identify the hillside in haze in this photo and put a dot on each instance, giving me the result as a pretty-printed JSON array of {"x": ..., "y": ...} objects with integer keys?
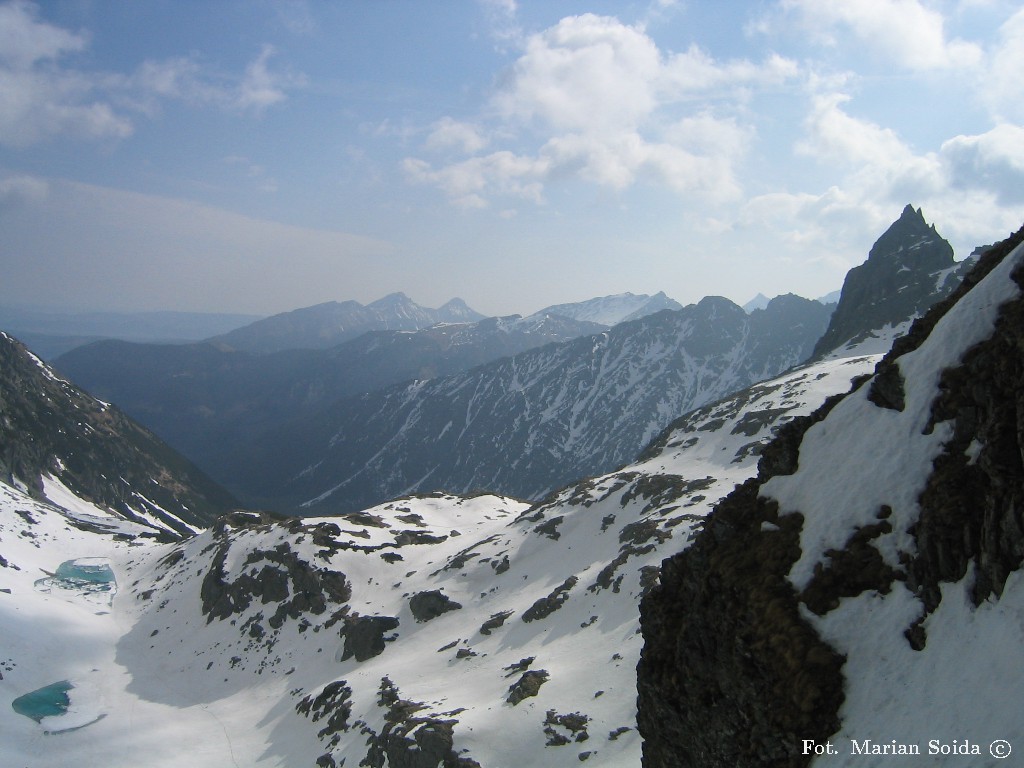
[
  {"x": 527, "y": 424},
  {"x": 210, "y": 402},
  {"x": 329, "y": 324}
]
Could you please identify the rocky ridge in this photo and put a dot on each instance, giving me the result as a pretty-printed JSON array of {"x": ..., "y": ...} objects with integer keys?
[
  {"x": 789, "y": 569},
  {"x": 56, "y": 440}
]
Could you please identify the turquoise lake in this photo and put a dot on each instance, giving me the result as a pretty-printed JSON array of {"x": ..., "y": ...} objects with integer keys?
[{"x": 43, "y": 702}]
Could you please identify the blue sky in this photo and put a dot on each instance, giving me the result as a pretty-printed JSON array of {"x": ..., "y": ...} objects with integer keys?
[{"x": 259, "y": 156}]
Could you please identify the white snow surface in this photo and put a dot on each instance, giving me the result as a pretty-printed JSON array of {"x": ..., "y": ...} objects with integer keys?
[{"x": 175, "y": 686}]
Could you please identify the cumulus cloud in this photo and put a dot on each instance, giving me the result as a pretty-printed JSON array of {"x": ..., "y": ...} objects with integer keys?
[
  {"x": 588, "y": 73},
  {"x": 602, "y": 103},
  {"x": 904, "y": 31},
  {"x": 44, "y": 95},
  {"x": 993, "y": 161},
  {"x": 1002, "y": 85},
  {"x": 972, "y": 186}
]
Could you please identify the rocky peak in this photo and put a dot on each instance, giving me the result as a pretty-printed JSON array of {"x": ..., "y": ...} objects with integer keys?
[
  {"x": 911, "y": 239},
  {"x": 909, "y": 268},
  {"x": 391, "y": 301},
  {"x": 456, "y": 310}
]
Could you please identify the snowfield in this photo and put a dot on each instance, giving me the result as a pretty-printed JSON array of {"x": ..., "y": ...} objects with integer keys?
[{"x": 480, "y": 629}]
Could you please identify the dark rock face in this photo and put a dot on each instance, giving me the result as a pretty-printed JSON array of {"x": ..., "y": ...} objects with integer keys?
[
  {"x": 333, "y": 703},
  {"x": 899, "y": 280},
  {"x": 527, "y": 685},
  {"x": 550, "y": 603},
  {"x": 364, "y": 636},
  {"x": 48, "y": 426},
  {"x": 971, "y": 510},
  {"x": 731, "y": 674},
  {"x": 429, "y": 605},
  {"x": 276, "y": 576},
  {"x": 409, "y": 740}
]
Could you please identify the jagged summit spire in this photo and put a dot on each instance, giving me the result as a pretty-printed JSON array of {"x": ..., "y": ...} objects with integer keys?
[
  {"x": 896, "y": 282},
  {"x": 908, "y": 230}
]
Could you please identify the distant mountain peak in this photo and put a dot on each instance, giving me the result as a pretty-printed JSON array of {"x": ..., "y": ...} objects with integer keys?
[
  {"x": 614, "y": 309},
  {"x": 392, "y": 298},
  {"x": 331, "y": 323},
  {"x": 758, "y": 302}
]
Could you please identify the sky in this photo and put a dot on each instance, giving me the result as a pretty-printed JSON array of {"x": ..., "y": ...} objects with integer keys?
[{"x": 262, "y": 155}]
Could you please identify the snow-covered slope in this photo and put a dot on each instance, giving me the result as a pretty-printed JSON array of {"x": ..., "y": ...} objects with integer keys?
[
  {"x": 864, "y": 592},
  {"x": 425, "y": 631}
]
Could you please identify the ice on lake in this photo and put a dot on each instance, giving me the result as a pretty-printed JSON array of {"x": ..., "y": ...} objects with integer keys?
[{"x": 90, "y": 578}]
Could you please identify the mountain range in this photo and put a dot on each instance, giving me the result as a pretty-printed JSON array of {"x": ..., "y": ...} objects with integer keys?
[
  {"x": 828, "y": 556},
  {"x": 530, "y": 423},
  {"x": 51, "y": 333},
  {"x": 337, "y": 430}
]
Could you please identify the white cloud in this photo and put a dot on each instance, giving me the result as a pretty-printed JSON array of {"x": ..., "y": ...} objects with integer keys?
[
  {"x": 904, "y": 31},
  {"x": 991, "y": 161},
  {"x": 834, "y": 135},
  {"x": 37, "y": 98},
  {"x": 260, "y": 88},
  {"x": 1002, "y": 84},
  {"x": 466, "y": 182},
  {"x": 24, "y": 40},
  {"x": 972, "y": 187},
  {"x": 605, "y": 105},
  {"x": 588, "y": 73},
  {"x": 449, "y": 133},
  {"x": 502, "y": 17},
  {"x": 43, "y": 96}
]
